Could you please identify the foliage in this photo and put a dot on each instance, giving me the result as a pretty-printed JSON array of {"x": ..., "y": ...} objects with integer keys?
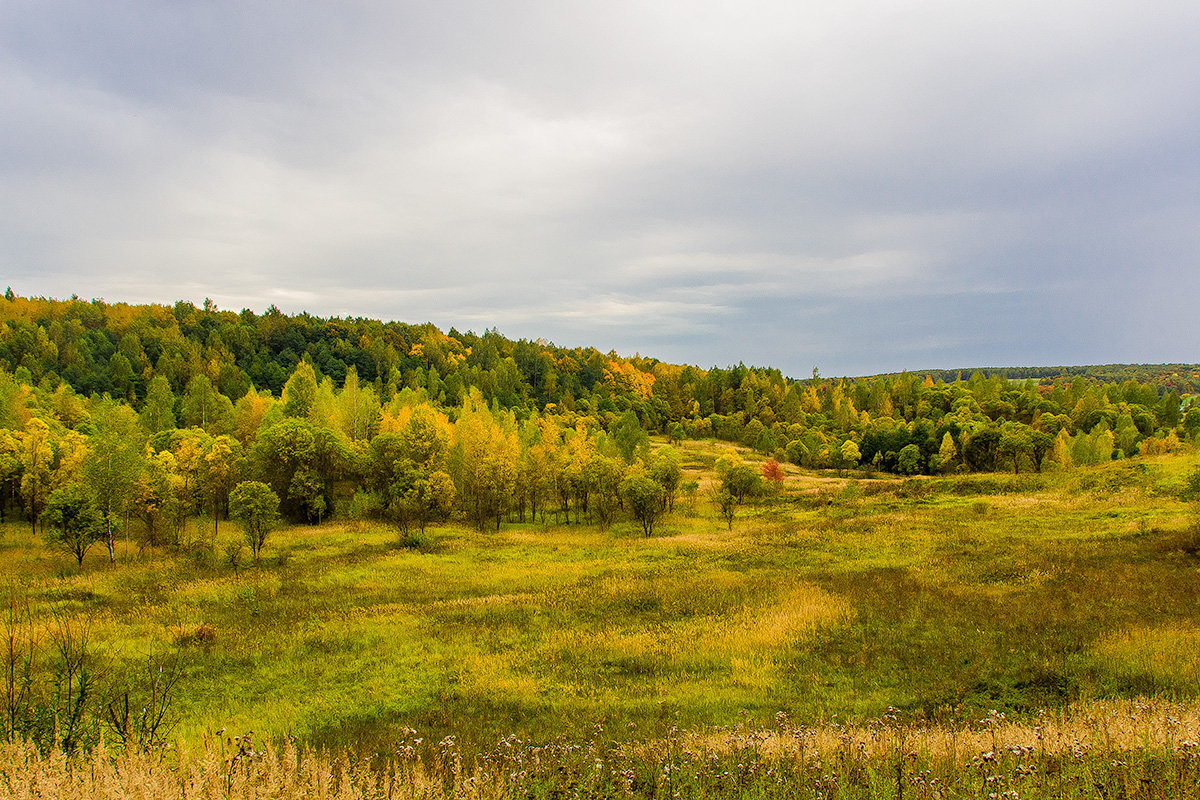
[
  {"x": 301, "y": 461},
  {"x": 74, "y": 520},
  {"x": 257, "y": 507},
  {"x": 644, "y": 497},
  {"x": 738, "y": 479},
  {"x": 772, "y": 472}
]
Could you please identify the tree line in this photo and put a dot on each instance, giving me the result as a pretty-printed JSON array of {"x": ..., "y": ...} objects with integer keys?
[{"x": 157, "y": 413}]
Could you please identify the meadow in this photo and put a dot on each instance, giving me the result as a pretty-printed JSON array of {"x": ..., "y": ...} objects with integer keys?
[{"x": 858, "y": 608}]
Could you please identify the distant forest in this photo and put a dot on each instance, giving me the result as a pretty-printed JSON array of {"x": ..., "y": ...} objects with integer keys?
[{"x": 353, "y": 415}]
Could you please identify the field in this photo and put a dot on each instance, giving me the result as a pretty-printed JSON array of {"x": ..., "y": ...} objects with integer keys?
[{"x": 841, "y": 603}]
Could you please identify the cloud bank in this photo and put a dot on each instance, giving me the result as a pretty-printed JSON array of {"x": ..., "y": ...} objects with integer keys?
[{"x": 862, "y": 186}]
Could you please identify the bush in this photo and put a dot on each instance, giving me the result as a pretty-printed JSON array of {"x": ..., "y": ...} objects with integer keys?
[{"x": 419, "y": 540}]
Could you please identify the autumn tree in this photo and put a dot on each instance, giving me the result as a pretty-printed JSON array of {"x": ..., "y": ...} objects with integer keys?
[
  {"x": 219, "y": 465},
  {"x": 357, "y": 408},
  {"x": 251, "y": 414},
  {"x": 36, "y": 453},
  {"x": 848, "y": 454},
  {"x": 772, "y": 472},
  {"x": 947, "y": 453},
  {"x": 486, "y": 463},
  {"x": 10, "y": 468},
  {"x": 156, "y": 498},
  {"x": 188, "y": 446}
]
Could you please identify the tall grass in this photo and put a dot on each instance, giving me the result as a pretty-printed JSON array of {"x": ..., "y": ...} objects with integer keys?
[{"x": 1097, "y": 750}]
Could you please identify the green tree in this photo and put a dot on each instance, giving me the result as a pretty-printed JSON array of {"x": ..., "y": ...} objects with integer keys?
[
  {"x": 677, "y": 432},
  {"x": 300, "y": 391},
  {"x": 1191, "y": 488},
  {"x": 980, "y": 451},
  {"x": 739, "y": 481},
  {"x": 629, "y": 436},
  {"x": 737, "y": 477},
  {"x": 1015, "y": 444},
  {"x": 1191, "y": 423},
  {"x": 727, "y": 506},
  {"x": 604, "y": 475},
  {"x": 74, "y": 520},
  {"x": 114, "y": 463},
  {"x": 1040, "y": 444},
  {"x": 300, "y": 462},
  {"x": 643, "y": 497},
  {"x": 206, "y": 408},
  {"x": 664, "y": 467},
  {"x": 908, "y": 461},
  {"x": 1126, "y": 434},
  {"x": 254, "y": 505},
  {"x": 158, "y": 412},
  {"x": 420, "y": 496}
]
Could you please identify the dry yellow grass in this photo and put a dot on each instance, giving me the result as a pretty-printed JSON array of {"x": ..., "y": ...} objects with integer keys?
[
  {"x": 1097, "y": 735},
  {"x": 1109, "y": 726}
]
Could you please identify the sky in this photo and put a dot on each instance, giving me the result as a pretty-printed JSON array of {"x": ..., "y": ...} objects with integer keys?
[{"x": 860, "y": 187}]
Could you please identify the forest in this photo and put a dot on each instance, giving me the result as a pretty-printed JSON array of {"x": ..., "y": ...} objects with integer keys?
[{"x": 160, "y": 411}]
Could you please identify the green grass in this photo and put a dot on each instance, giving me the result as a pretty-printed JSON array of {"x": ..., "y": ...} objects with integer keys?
[{"x": 941, "y": 598}]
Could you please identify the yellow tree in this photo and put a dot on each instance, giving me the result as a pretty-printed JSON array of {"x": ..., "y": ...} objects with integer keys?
[
  {"x": 249, "y": 414},
  {"x": 218, "y": 468},
  {"x": 947, "y": 453},
  {"x": 36, "y": 454},
  {"x": 487, "y": 458},
  {"x": 357, "y": 409},
  {"x": 572, "y": 483},
  {"x": 10, "y": 467}
]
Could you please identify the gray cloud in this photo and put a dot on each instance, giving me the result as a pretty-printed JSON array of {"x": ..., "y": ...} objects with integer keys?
[{"x": 864, "y": 186}]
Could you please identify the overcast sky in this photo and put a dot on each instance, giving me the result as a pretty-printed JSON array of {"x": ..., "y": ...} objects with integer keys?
[{"x": 857, "y": 186}]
